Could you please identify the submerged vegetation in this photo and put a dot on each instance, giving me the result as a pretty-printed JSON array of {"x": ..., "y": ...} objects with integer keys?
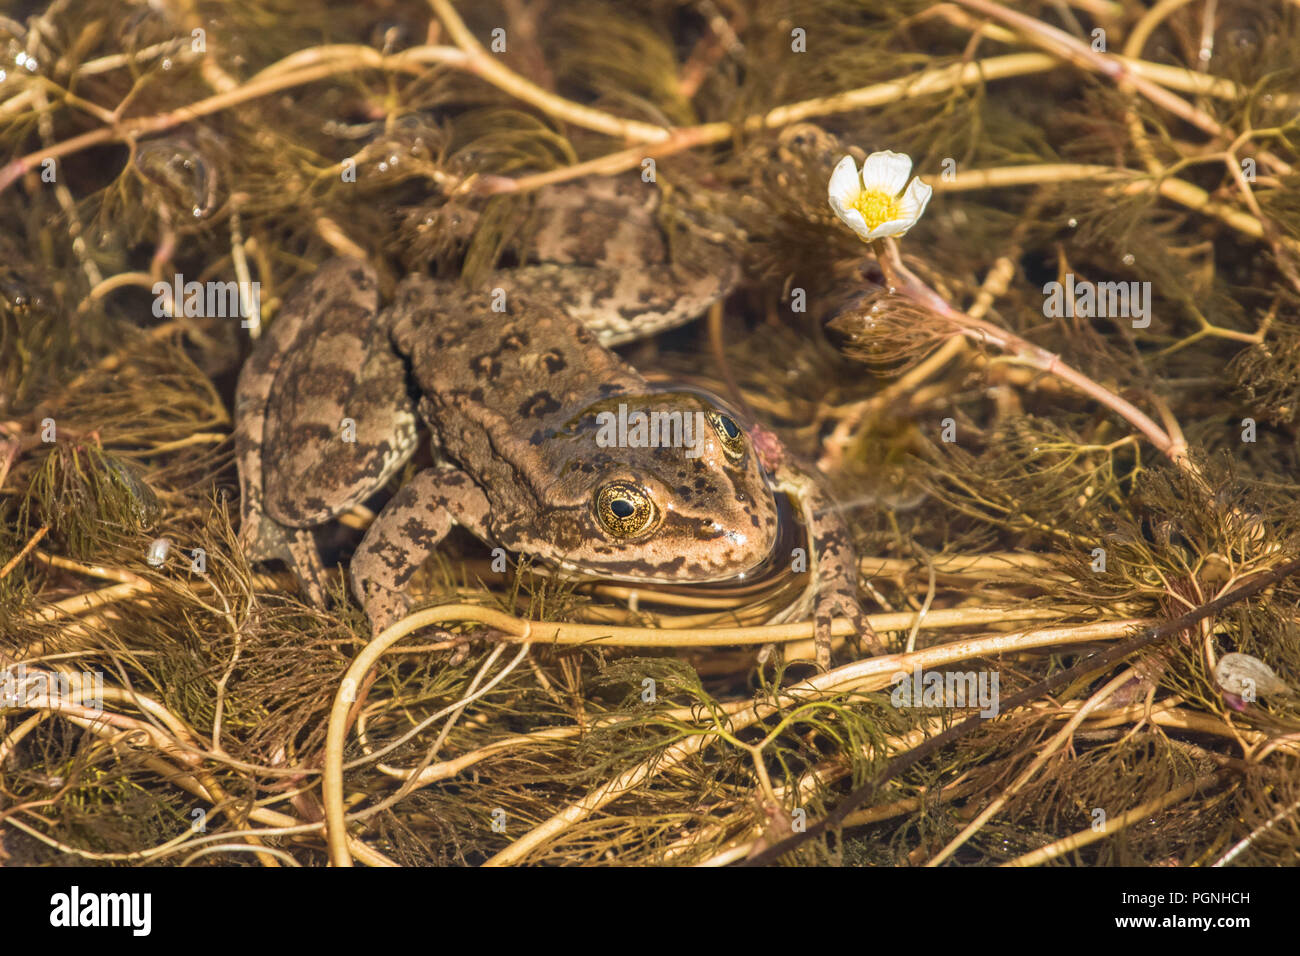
[{"x": 1028, "y": 483}]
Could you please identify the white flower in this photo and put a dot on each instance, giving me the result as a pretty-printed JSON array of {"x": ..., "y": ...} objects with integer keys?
[{"x": 874, "y": 203}]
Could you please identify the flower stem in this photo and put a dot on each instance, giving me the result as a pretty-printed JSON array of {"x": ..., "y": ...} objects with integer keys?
[{"x": 903, "y": 280}]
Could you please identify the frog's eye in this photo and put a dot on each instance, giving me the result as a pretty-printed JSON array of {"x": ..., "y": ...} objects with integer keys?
[
  {"x": 729, "y": 433},
  {"x": 624, "y": 510}
]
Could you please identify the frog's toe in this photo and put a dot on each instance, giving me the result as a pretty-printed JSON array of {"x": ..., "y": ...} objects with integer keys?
[
  {"x": 264, "y": 540},
  {"x": 841, "y": 603},
  {"x": 384, "y": 607}
]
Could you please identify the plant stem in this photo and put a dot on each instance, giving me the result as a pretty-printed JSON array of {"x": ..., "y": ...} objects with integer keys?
[{"x": 1026, "y": 353}]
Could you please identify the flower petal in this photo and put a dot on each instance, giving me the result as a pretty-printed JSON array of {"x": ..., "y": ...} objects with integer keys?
[
  {"x": 895, "y": 227},
  {"x": 914, "y": 201},
  {"x": 845, "y": 183},
  {"x": 886, "y": 171},
  {"x": 855, "y": 221},
  {"x": 841, "y": 208}
]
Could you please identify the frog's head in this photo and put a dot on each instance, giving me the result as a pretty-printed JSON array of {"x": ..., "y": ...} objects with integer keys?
[{"x": 657, "y": 488}]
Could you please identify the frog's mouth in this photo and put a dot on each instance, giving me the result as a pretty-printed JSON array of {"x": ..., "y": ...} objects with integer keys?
[{"x": 686, "y": 577}]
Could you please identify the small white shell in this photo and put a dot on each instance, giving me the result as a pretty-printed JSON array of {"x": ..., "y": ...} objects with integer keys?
[
  {"x": 1249, "y": 677},
  {"x": 158, "y": 549}
]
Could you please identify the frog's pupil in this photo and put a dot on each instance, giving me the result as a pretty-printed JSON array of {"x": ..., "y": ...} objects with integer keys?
[
  {"x": 622, "y": 508},
  {"x": 730, "y": 427}
]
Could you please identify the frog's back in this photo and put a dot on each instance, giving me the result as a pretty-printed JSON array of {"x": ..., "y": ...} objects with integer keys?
[{"x": 525, "y": 363}]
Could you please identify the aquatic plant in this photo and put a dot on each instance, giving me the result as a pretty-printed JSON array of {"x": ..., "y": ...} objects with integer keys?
[{"x": 1061, "y": 412}]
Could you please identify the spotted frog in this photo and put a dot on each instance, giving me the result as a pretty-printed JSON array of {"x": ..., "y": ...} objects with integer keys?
[{"x": 528, "y": 410}]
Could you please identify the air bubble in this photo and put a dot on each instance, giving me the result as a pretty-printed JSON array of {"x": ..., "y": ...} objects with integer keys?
[
  {"x": 166, "y": 63},
  {"x": 1072, "y": 222},
  {"x": 1128, "y": 259}
]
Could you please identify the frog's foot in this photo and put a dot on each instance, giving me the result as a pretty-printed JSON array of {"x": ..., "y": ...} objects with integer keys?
[
  {"x": 841, "y": 601},
  {"x": 263, "y": 539},
  {"x": 304, "y": 558},
  {"x": 384, "y": 608}
]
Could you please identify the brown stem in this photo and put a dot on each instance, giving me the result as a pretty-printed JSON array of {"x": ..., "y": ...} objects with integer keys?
[{"x": 1026, "y": 353}]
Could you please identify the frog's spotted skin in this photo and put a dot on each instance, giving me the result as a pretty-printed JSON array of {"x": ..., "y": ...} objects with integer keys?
[
  {"x": 610, "y": 267},
  {"x": 332, "y": 374},
  {"x": 516, "y": 399},
  {"x": 341, "y": 294},
  {"x": 328, "y": 403}
]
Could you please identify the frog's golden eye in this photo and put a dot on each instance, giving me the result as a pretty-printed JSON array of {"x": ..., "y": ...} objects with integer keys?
[
  {"x": 729, "y": 433},
  {"x": 624, "y": 510}
]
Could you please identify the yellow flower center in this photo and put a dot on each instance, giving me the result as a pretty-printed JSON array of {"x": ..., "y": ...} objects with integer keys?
[{"x": 877, "y": 208}]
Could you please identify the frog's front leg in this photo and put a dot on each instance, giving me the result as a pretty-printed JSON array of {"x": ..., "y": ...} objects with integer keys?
[
  {"x": 837, "y": 578},
  {"x": 833, "y": 563},
  {"x": 406, "y": 532}
]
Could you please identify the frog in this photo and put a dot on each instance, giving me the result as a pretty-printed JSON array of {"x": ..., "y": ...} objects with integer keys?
[{"x": 518, "y": 386}]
